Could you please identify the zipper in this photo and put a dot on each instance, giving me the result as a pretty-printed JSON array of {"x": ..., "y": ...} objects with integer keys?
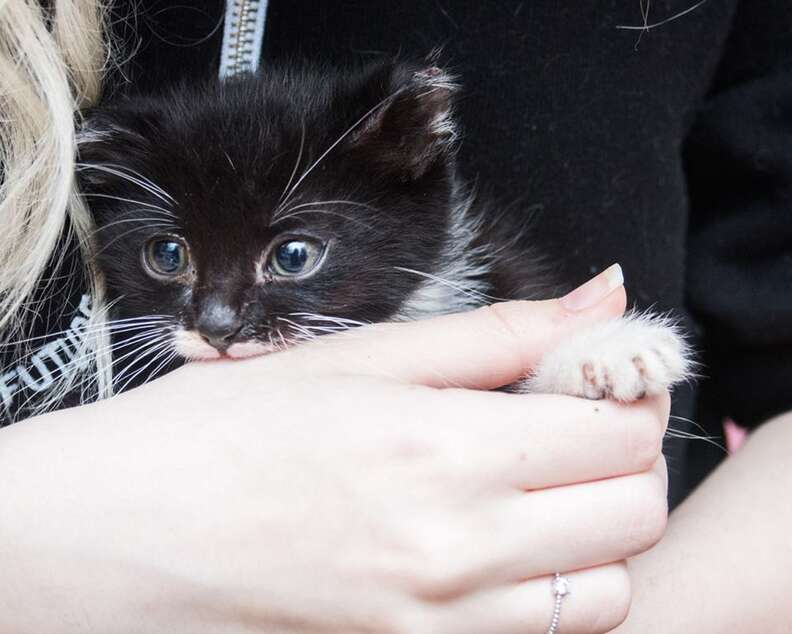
[{"x": 243, "y": 33}]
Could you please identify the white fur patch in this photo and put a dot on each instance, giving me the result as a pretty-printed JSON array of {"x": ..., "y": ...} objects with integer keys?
[
  {"x": 442, "y": 125},
  {"x": 190, "y": 345},
  {"x": 459, "y": 284},
  {"x": 247, "y": 349},
  {"x": 86, "y": 136}
]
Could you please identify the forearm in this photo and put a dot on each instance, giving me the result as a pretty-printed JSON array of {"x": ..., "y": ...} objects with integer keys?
[
  {"x": 64, "y": 541},
  {"x": 725, "y": 564}
]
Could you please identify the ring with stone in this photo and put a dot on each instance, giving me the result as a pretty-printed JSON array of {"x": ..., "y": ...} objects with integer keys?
[{"x": 560, "y": 586}]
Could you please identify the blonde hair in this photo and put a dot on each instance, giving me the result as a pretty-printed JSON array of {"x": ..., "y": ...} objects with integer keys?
[{"x": 51, "y": 67}]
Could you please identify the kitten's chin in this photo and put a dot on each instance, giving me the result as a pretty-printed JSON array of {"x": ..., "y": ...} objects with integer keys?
[
  {"x": 189, "y": 345},
  {"x": 192, "y": 347},
  {"x": 247, "y": 349}
]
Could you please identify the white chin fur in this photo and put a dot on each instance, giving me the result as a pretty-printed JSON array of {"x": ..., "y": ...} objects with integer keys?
[
  {"x": 192, "y": 347},
  {"x": 247, "y": 349},
  {"x": 189, "y": 344}
]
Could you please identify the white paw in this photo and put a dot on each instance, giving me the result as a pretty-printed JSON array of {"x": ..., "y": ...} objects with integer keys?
[{"x": 623, "y": 359}]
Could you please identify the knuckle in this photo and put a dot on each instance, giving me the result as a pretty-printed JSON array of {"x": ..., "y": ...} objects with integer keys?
[
  {"x": 434, "y": 460},
  {"x": 441, "y": 581},
  {"x": 663, "y": 400},
  {"x": 497, "y": 317},
  {"x": 438, "y": 572},
  {"x": 414, "y": 443},
  {"x": 613, "y": 608},
  {"x": 644, "y": 444},
  {"x": 650, "y": 513},
  {"x": 500, "y": 327},
  {"x": 413, "y": 447}
]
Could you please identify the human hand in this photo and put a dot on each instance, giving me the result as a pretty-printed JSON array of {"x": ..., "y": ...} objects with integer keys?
[{"x": 361, "y": 483}]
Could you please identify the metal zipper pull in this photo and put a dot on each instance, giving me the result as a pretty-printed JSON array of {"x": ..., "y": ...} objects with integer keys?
[{"x": 243, "y": 34}]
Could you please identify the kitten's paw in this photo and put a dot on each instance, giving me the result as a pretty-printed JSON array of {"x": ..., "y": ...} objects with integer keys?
[{"x": 624, "y": 359}]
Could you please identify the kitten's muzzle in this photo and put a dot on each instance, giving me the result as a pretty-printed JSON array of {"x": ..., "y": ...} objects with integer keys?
[
  {"x": 220, "y": 340},
  {"x": 219, "y": 325}
]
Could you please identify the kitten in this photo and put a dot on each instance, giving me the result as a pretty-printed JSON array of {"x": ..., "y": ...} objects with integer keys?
[{"x": 238, "y": 217}]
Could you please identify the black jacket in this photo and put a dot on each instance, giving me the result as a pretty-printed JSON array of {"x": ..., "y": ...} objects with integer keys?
[{"x": 666, "y": 149}]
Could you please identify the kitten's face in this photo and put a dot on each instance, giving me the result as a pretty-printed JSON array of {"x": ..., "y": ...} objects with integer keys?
[{"x": 248, "y": 215}]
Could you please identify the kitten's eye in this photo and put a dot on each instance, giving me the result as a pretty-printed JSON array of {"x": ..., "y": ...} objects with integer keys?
[
  {"x": 295, "y": 257},
  {"x": 166, "y": 257}
]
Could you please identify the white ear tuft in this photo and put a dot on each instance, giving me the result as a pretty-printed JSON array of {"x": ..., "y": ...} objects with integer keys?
[{"x": 415, "y": 127}]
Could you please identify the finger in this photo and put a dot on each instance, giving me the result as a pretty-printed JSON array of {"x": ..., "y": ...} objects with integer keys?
[
  {"x": 536, "y": 441},
  {"x": 614, "y": 439},
  {"x": 578, "y": 526},
  {"x": 485, "y": 348},
  {"x": 598, "y": 601}
]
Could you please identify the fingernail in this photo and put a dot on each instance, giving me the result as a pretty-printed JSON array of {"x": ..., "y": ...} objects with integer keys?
[{"x": 595, "y": 290}]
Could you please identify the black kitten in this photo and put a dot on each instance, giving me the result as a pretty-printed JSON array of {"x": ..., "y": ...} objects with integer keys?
[{"x": 241, "y": 216}]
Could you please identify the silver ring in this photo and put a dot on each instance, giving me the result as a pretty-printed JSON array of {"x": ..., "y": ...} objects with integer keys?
[{"x": 560, "y": 587}]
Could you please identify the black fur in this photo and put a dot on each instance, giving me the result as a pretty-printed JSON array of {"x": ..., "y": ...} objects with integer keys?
[{"x": 232, "y": 154}]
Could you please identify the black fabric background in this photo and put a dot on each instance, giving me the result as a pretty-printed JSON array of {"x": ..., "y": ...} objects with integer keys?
[{"x": 671, "y": 155}]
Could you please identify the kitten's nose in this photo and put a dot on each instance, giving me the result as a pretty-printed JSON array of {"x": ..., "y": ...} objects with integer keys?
[{"x": 219, "y": 324}]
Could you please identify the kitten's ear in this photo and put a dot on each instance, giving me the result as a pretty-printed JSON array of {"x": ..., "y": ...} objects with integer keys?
[
  {"x": 102, "y": 142},
  {"x": 410, "y": 126},
  {"x": 93, "y": 145}
]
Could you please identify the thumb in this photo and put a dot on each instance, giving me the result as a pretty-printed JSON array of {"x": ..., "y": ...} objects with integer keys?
[{"x": 484, "y": 348}]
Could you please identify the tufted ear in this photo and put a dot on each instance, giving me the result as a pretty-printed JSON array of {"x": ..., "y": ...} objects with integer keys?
[
  {"x": 105, "y": 141},
  {"x": 94, "y": 143},
  {"x": 410, "y": 126},
  {"x": 109, "y": 149}
]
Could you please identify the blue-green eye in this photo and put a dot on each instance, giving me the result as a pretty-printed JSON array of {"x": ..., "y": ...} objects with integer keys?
[
  {"x": 166, "y": 257},
  {"x": 295, "y": 257}
]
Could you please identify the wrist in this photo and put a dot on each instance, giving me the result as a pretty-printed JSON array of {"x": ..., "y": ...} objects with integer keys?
[{"x": 70, "y": 562}]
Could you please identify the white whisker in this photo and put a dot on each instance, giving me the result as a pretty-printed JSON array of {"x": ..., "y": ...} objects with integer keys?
[
  {"x": 126, "y": 221},
  {"x": 157, "y": 351},
  {"x": 341, "y": 321},
  {"x": 79, "y": 359},
  {"x": 65, "y": 369},
  {"x": 326, "y": 212},
  {"x": 95, "y": 328},
  {"x": 131, "y": 200},
  {"x": 648, "y": 27},
  {"x": 137, "y": 179},
  {"x": 153, "y": 338},
  {"x": 472, "y": 293},
  {"x": 280, "y": 214},
  {"x": 130, "y": 231},
  {"x": 685, "y": 435},
  {"x": 336, "y": 142},
  {"x": 297, "y": 162},
  {"x": 351, "y": 203},
  {"x": 300, "y": 329}
]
